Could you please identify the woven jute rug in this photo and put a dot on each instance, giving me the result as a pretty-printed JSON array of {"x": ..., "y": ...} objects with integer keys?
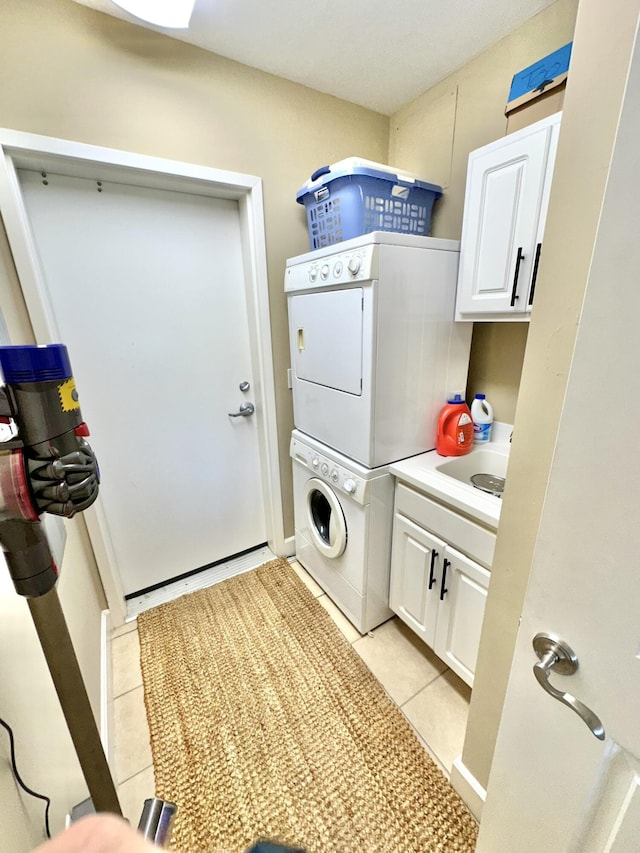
[{"x": 265, "y": 723}]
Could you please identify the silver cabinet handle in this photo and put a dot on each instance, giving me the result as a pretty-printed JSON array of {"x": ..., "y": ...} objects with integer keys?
[
  {"x": 245, "y": 410},
  {"x": 556, "y": 655}
]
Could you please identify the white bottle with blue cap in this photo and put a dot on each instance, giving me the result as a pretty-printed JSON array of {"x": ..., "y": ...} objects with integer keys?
[{"x": 482, "y": 416}]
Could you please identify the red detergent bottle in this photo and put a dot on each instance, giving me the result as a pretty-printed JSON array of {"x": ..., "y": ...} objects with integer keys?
[{"x": 455, "y": 428}]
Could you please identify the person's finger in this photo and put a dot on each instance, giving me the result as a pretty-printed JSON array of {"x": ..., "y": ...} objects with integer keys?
[{"x": 101, "y": 833}]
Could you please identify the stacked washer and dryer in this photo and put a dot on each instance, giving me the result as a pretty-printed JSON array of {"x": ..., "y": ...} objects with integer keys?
[{"x": 374, "y": 353}]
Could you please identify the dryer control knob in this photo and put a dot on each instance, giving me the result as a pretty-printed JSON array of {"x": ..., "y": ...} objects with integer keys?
[
  {"x": 313, "y": 273},
  {"x": 325, "y": 468},
  {"x": 350, "y": 486},
  {"x": 354, "y": 266},
  {"x": 324, "y": 272},
  {"x": 315, "y": 461},
  {"x": 335, "y": 476}
]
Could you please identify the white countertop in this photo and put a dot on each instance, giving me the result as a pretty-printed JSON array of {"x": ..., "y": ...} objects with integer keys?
[{"x": 422, "y": 473}]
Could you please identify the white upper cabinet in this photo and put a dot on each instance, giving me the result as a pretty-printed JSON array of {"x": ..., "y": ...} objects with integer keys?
[{"x": 507, "y": 195}]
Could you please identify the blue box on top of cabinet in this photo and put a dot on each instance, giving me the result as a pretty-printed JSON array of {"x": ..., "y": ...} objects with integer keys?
[{"x": 543, "y": 75}]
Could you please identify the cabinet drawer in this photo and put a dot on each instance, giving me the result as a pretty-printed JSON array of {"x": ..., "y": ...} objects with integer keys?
[{"x": 465, "y": 535}]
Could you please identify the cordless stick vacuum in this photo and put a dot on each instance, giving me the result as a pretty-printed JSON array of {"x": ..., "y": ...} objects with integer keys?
[{"x": 47, "y": 465}]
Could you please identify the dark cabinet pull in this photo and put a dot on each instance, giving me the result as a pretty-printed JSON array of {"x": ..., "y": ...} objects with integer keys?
[
  {"x": 519, "y": 258},
  {"x": 536, "y": 261},
  {"x": 443, "y": 589},
  {"x": 434, "y": 557}
]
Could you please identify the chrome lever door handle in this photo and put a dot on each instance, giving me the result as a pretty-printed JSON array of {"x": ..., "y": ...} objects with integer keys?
[
  {"x": 245, "y": 410},
  {"x": 558, "y": 656}
]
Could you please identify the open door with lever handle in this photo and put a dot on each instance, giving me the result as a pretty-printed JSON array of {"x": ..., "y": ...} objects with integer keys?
[{"x": 555, "y": 655}]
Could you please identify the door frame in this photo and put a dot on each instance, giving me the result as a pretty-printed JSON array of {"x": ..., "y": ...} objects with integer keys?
[{"x": 26, "y": 150}]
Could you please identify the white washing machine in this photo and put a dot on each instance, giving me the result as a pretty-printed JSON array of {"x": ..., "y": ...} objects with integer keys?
[
  {"x": 374, "y": 347},
  {"x": 343, "y": 517}
]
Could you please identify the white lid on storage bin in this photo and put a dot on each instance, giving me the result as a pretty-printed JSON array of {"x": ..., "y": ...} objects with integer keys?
[{"x": 360, "y": 166}]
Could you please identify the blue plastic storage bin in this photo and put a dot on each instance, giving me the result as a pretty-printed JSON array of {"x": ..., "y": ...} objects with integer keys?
[{"x": 355, "y": 197}]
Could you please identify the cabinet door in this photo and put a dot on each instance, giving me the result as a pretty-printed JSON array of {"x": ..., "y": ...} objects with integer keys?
[
  {"x": 462, "y": 595},
  {"x": 505, "y": 186},
  {"x": 546, "y": 191},
  {"x": 416, "y": 560}
]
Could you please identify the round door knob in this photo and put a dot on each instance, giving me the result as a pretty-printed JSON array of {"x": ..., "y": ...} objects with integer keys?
[
  {"x": 350, "y": 486},
  {"x": 354, "y": 266}
]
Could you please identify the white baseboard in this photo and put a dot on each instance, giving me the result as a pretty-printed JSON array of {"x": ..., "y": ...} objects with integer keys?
[
  {"x": 468, "y": 787},
  {"x": 289, "y": 546},
  {"x": 106, "y": 687}
]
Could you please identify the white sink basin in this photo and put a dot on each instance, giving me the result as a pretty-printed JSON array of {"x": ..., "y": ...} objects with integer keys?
[
  {"x": 481, "y": 460},
  {"x": 448, "y": 478}
]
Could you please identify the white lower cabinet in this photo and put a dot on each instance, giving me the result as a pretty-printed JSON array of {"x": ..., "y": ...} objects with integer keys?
[
  {"x": 461, "y": 612},
  {"x": 439, "y": 591}
]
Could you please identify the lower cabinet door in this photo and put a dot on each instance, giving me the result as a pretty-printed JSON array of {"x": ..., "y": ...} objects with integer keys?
[
  {"x": 416, "y": 561},
  {"x": 462, "y": 595}
]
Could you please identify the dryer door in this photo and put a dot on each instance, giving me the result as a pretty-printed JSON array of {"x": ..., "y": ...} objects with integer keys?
[
  {"x": 325, "y": 518},
  {"x": 327, "y": 338}
]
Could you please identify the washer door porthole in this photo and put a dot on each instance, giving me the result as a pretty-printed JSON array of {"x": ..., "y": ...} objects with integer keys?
[{"x": 325, "y": 518}]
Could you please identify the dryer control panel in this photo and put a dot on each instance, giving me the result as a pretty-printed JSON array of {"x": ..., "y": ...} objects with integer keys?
[
  {"x": 324, "y": 468},
  {"x": 336, "y": 268}
]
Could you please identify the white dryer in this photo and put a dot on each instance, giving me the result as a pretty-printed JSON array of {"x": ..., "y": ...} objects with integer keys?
[
  {"x": 374, "y": 346},
  {"x": 343, "y": 517}
]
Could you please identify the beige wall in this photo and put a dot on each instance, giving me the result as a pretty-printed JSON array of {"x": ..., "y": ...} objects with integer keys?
[
  {"x": 73, "y": 73},
  {"x": 76, "y": 74},
  {"x": 582, "y": 165},
  {"x": 433, "y": 135},
  {"x": 70, "y": 72}
]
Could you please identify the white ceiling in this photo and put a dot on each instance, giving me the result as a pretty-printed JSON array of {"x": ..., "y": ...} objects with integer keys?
[{"x": 377, "y": 53}]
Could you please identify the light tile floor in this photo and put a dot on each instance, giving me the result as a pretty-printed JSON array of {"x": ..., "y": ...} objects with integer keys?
[{"x": 433, "y": 699}]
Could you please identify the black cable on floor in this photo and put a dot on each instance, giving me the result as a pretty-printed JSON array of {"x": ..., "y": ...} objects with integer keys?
[{"x": 19, "y": 779}]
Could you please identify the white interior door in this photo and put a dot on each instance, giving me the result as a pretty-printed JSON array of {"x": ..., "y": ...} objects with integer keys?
[
  {"x": 553, "y": 785},
  {"x": 147, "y": 289}
]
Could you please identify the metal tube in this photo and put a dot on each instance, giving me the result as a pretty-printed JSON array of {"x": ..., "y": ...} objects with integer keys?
[
  {"x": 60, "y": 655},
  {"x": 156, "y": 819}
]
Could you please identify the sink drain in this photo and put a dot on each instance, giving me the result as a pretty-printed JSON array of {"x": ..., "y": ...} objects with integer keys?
[{"x": 488, "y": 483}]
